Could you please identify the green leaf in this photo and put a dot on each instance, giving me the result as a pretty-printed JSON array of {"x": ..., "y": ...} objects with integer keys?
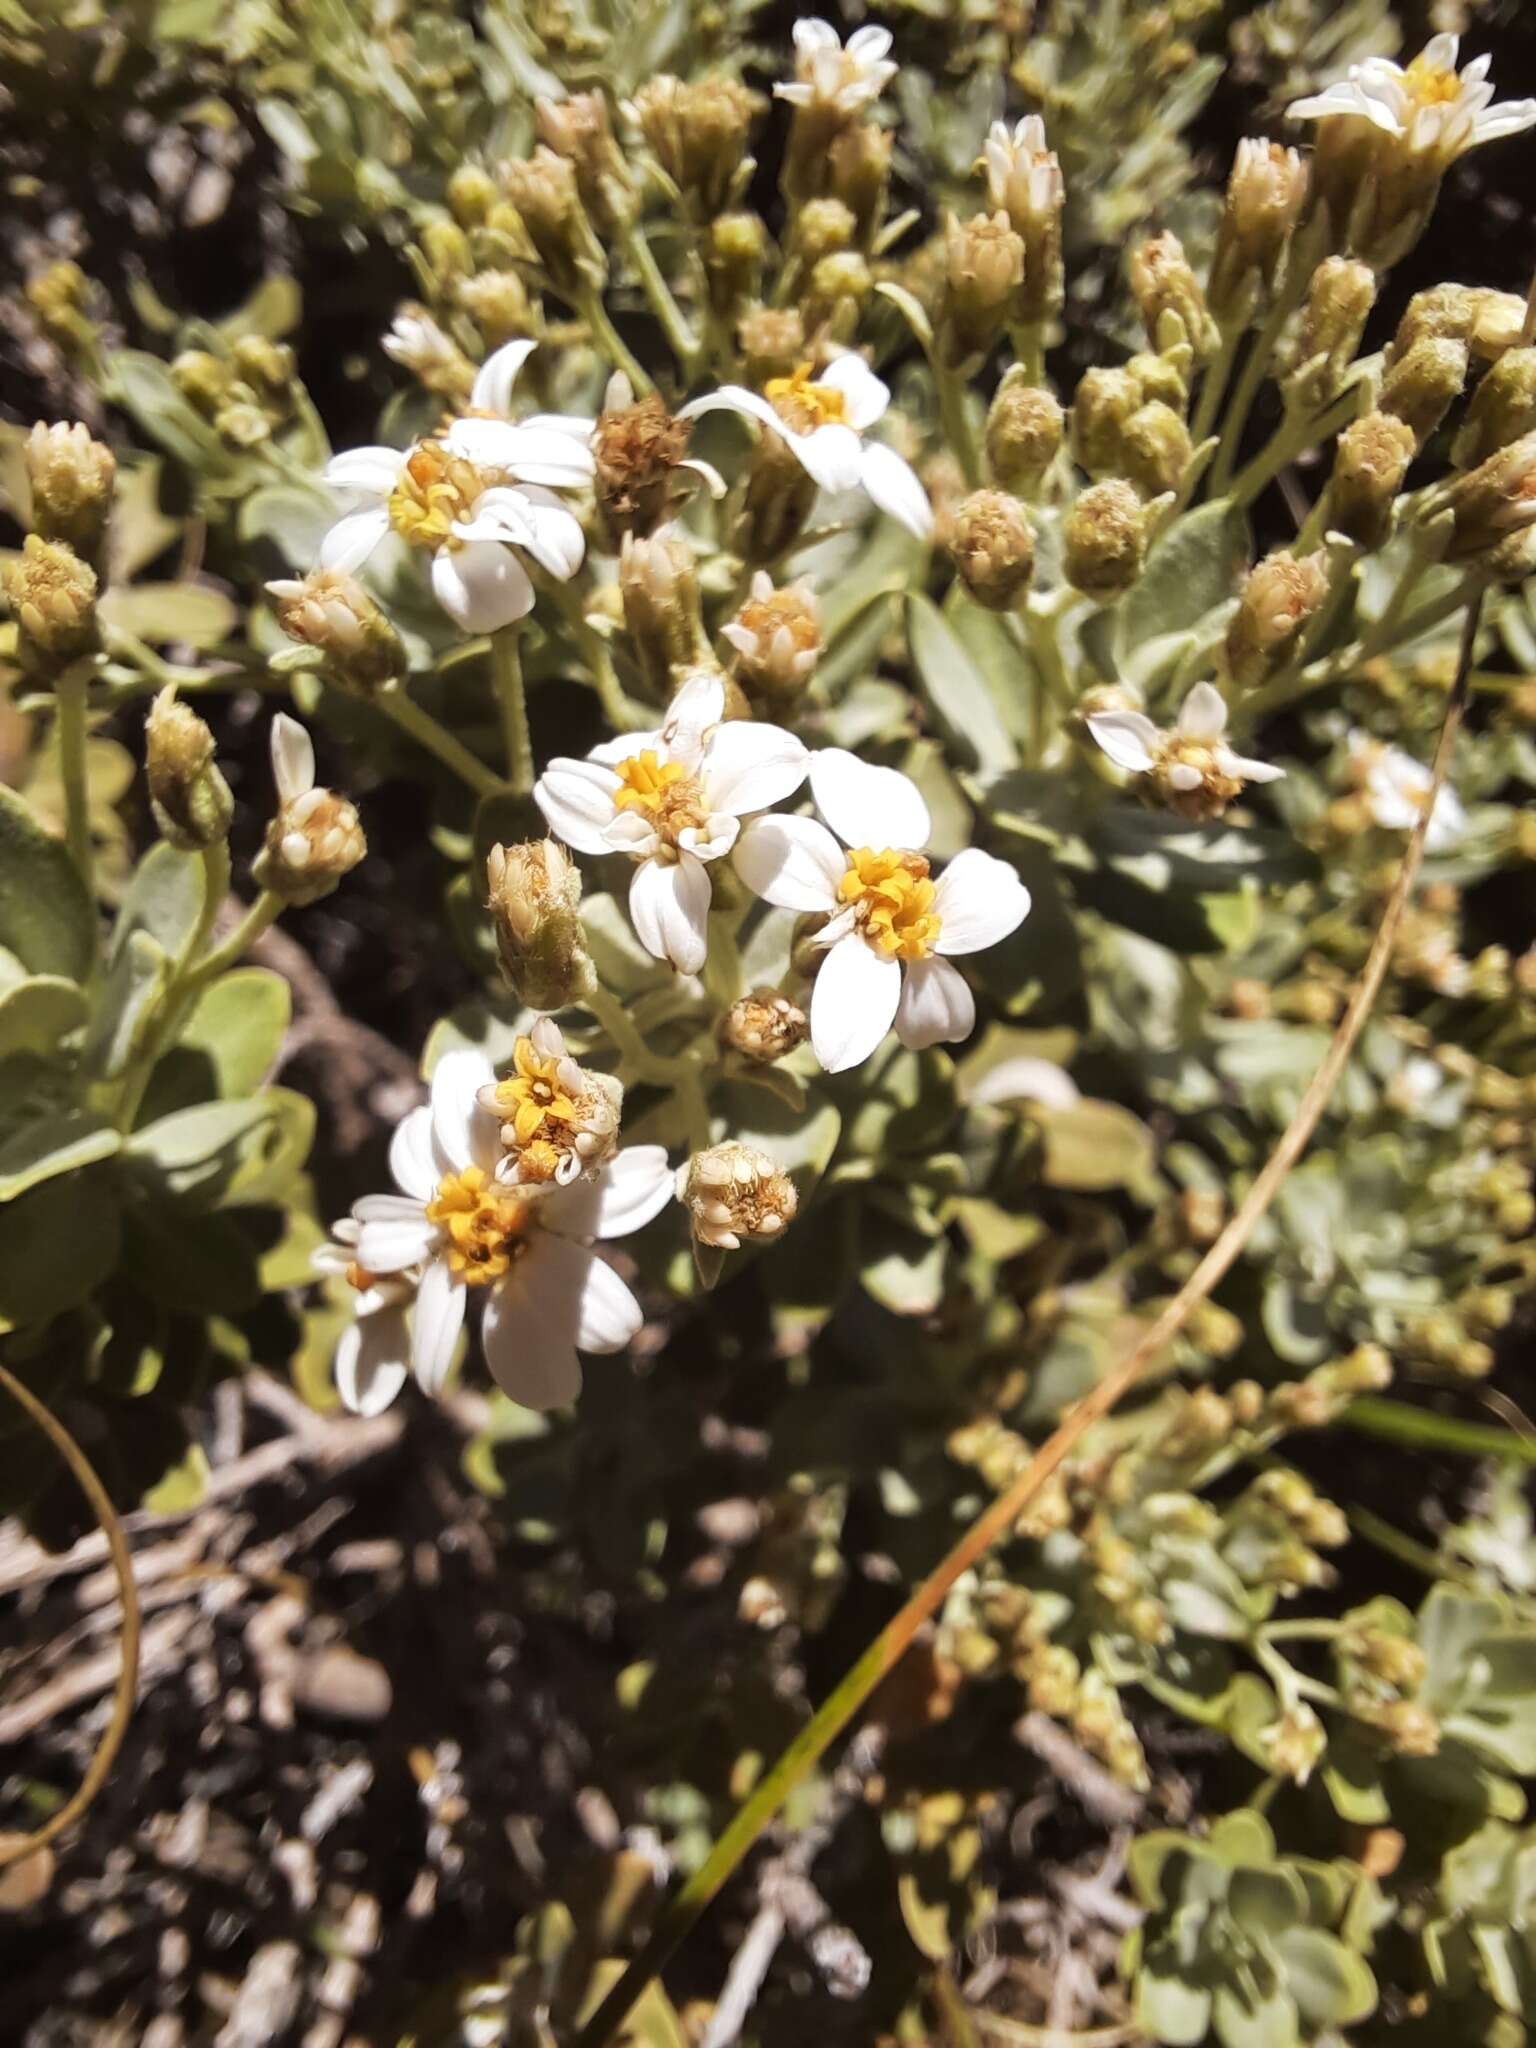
[
  {"x": 196, "y": 1150},
  {"x": 238, "y": 1026},
  {"x": 46, "y": 918},
  {"x": 1193, "y": 568},
  {"x": 36, "y": 1014},
  {"x": 957, "y": 692},
  {"x": 1330, "y": 1983},
  {"x": 192, "y": 1263},
  {"x": 164, "y": 612},
  {"x": 1252, "y": 2015},
  {"x": 51, "y": 1145},
  {"x": 166, "y": 898},
  {"x": 144, "y": 387},
  {"x": 1096, "y": 1146},
  {"x": 182, "y": 1487},
  {"x": 59, "y": 1243},
  {"x": 138, "y": 972},
  {"x": 1169, "y": 2005}
]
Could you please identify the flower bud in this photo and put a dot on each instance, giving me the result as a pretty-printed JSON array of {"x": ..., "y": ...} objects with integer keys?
[
  {"x": 700, "y": 133},
  {"x": 734, "y": 1192},
  {"x": 735, "y": 252},
  {"x": 268, "y": 367},
  {"x": 1489, "y": 322},
  {"x": 578, "y": 129},
  {"x": 202, "y": 379},
  {"x": 1424, "y": 384},
  {"x": 764, "y": 1026},
  {"x": 1103, "y": 402},
  {"x": 1494, "y": 501},
  {"x": 315, "y": 838},
  {"x": 497, "y": 302},
  {"x": 660, "y": 589},
  {"x": 1293, "y": 1744},
  {"x": 838, "y": 285},
  {"x": 1105, "y": 540},
  {"x": 858, "y": 172},
  {"x": 331, "y": 611},
  {"x": 61, "y": 296},
  {"x": 1024, "y": 431},
  {"x": 71, "y": 477},
  {"x": 1265, "y": 193},
  {"x": 436, "y": 361},
  {"x": 1166, "y": 291},
  {"x": 823, "y": 227},
  {"x": 53, "y": 595},
  {"x": 983, "y": 269},
  {"x": 772, "y": 341},
  {"x": 1278, "y": 597},
  {"x": 544, "y": 191},
  {"x": 992, "y": 545},
  {"x": 777, "y": 638},
  {"x": 189, "y": 796},
  {"x": 1411, "y": 1729},
  {"x": 1339, "y": 301},
  {"x": 1369, "y": 464},
  {"x": 1024, "y": 179},
  {"x": 1503, "y": 408},
  {"x": 471, "y": 195},
  {"x": 638, "y": 448},
  {"x": 1155, "y": 448}
]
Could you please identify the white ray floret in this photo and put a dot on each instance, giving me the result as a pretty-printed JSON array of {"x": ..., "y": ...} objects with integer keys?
[
  {"x": 1435, "y": 110},
  {"x": 834, "y": 76}
]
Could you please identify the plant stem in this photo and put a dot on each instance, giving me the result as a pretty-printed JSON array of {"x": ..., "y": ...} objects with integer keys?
[
  {"x": 681, "y": 339},
  {"x": 1256, "y": 368},
  {"x": 259, "y": 918},
  {"x": 627, "y": 1042},
  {"x": 421, "y": 726},
  {"x": 507, "y": 673},
  {"x": 70, "y": 732},
  {"x": 1214, "y": 385},
  {"x": 595, "y": 313},
  {"x": 1000, "y": 1519},
  {"x": 955, "y": 414},
  {"x": 1396, "y": 1422},
  {"x": 1290, "y": 438}
]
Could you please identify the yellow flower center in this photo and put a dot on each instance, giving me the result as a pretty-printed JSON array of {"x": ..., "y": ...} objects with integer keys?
[
  {"x": 664, "y": 791},
  {"x": 894, "y": 900},
  {"x": 531, "y": 1097},
  {"x": 434, "y": 489},
  {"x": 482, "y": 1222},
  {"x": 1431, "y": 85},
  {"x": 803, "y": 404}
]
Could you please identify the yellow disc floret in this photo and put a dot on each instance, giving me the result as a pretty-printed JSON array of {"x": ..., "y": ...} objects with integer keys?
[
  {"x": 804, "y": 404},
  {"x": 1431, "y": 85},
  {"x": 893, "y": 897},
  {"x": 665, "y": 792},
  {"x": 434, "y": 489},
  {"x": 482, "y": 1223}
]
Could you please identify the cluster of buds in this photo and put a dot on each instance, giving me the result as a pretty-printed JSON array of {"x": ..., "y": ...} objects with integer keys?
[
  {"x": 735, "y": 257},
  {"x": 700, "y": 134},
  {"x": 1294, "y": 1742},
  {"x": 764, "y": 1026},
  {"x": 331, "y": 612},
  {"x": 1124, "y": 425},
  {"x": 71, "y": 477},
  {"x": 578, "y": 129},
  {"x": 1171, "y": 300},
  {"x": 1338, "y": 304},
  {"x": 983, "y": 273},
  {"x": 1025, "y": 429},
  {"x": 315, "y": 838},
  {"x": 1104, "y": 540},
  {"x": 1422, "y": 385},
  {"x": 189, "y": 796},
  {"x": 545, "y": 196},
  {"x": 734, "y": 1194},
  {"x": 52, "y": 594},
  {"x": 61, "y": 297},
  {"x": 1024, "y": 182},
  {"x": 246, "y": 395},
  {"x": 1322, "y": 1396},
  {"x": 776, "y": 636},
  {"x": 1503, "y": 409},
  {"x": 1280, "y": 595},
  {"x": 1493, "y": 506},
  {"x": 991, "y": 542},
  {"x": 1266, "y": 191},
  {"x": 535, "y": 906},
  {"x": 833, "y": 147}
]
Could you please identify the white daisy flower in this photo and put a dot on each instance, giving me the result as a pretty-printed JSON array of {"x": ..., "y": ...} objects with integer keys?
[
  {"x": 835, "y": 78},
  {"x": 1435, "y": 110},
  {"x": 526, "y": 1252},
  {"x": 673, "y": 801},
  {"x": 1397, "y": 788},
  {"x": 373, "y": 1354},
  {"x": 891, "y": 926},
  {"x": 822, "y": 421},
  {"x": 485, "y": 487},
  {"x": 1193, "y": 769}
]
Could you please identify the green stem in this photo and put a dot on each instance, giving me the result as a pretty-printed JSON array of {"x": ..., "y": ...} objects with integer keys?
[
  {"x": 1417, "y": 1556},
  {"x": 627, "y": 1042},
  {"x": 620, "y": 713},
  {"x": 421, "y": 726},
  {"x": 70, "y": 699},
  {"x": 595, "y": 313},
  {"x": 1396, "y": 1422},
  {"x": 955, "y": 416},
  {"x": 507, "y": 672},
  {"x": 681, "y": 339},
  {"x": 1293, "y": 437},
  {"x": 1214, "y": 387},
  {"x": 1256, "y": 368}
]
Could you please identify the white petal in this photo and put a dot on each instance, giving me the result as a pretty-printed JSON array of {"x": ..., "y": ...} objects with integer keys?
[
  {"x": 697, "y": 706},
  {"x": 531, "y": 1322},
  {"x": 892, "y": 485},
  {"x": 1440, "y": 52},
  {"x": 462, "y": 1132},
  {"x": 370, "y": 1362},
  {"x": 751, "y": 405},
  {"x": 579, "y": 428},
  {"x": 713, "y": 839},
  {"x": 794, "y": 863},
  {"x": 550, "y": 533},
  {"x": 374, "y": 470},
  {"x": 482, "y": 586},
  {"x": 610, "y": 1316},
  {"x": 813, "y": 33},
  {"x": 1513, "y": 118},
  {"x": 293, "y": 758},
  {"x": 440, "y": 1305},
  {"x": 634, "y": 1186},
  {"x": 352, "y": 540},
  {"x": 625, "y": 746},
  {"x": 865, "y": 397},
  {"x": 669, "y": 905},
  {"x": 1027, "y": 1078},
  {"x": 576, "y": 798},
  {"x": 936, "y": 1007},
  {"x": 979, "y": 900},
  {"x": 831, "y": 455},
  {"x": 853, "y": 1003},
  {"x": 866, "y": 805},
  {"x": 412, "y": 1160},
  {"x": 385, "y": 1246},
  {"x": 492, "y": 388},
  {"x": 1247, "y": 770},
  {"x": 750, "y": 766},
  {"x": 533, "y": 455},
  {"x": 1128, "y": 737},
  {"x": 1203, "y": 715}
]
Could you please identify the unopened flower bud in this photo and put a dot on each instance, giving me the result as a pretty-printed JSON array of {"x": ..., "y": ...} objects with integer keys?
[
  {"x": 1494, "y": 501},
  {"x": 777, "y": 638},
  {"x": 1396, "y": 1660},
  {"x": 660, "y": 588},
  {"x": 772, "y": 341},
  {"x": 444, "y": 253},
  {"x": 1105, "y": 540},
  {"x": 1155, "y": 448},
  {"x": 543, "y": 190},
  {"x": 1339, "y": 301},
  {"x": 1369, "y": 464},
  {"x": 1293, "y": 1744},
  {"x": 578, "y": 129},
  {"x": 983, "y": 269},
  {"x": 1167, "y": 291},
  {"x": 764, "y": 1026},
  {"x": 823, "y": 227},
  {"x": 1424, "y": 384},
  {"x": 189, "y": 796},
  {"x": 734, "y": 1193},
  {"x": 71, "y": 477},
  {"x": 1411, "y": 1729},
  {"x": 1104, "y": 401},
  {"x": 1489, "y": 322},
  {"x": 837, "y": 286},
  {"x": 735, "y": 252},
  {"x": 202, "y": 379},
  {"x": 471, "y": 195},
  {"x": 700, "y": 133},
  {"x": 1265, "y": 192},
  {"x": 858, "y": 172},
  {"x": 52, "y": 593},
  {"x": 315, "y": 838},
  {"x": 1024, "y": 179},
  {"x": 433, "y": 358},
  {"x": 269, "y": 367},
  {"x": 1024, "y": 431},
  {"x": 992, "y": 545},
  {"x": 1278, "y": 597},
  {"x": 60, "y": 296},
  {"x": 497, "y": 301},
  {"x": 638, "y": 448},
  {"x": 332, "y": 612},
  {"x": 1503, "y": 408}
]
